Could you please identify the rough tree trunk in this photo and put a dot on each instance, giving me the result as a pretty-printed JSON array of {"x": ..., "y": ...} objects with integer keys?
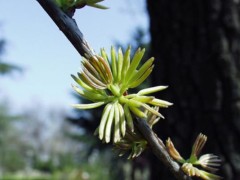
[{"x": 196, "y": 44}]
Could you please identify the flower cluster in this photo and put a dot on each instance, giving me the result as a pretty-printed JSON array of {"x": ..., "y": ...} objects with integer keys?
[
  {"x": 133, "y": 140},
  {"x": 106, "y": 80},
  {"x": 71, "y": 5},
  {"x": 208, "y": 162}
]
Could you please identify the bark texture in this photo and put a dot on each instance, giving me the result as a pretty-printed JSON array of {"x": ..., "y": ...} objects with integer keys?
[{"x": 196, "y": 44}]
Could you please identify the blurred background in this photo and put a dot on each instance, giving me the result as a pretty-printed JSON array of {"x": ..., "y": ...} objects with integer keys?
[{"x": 196, "y": 46}]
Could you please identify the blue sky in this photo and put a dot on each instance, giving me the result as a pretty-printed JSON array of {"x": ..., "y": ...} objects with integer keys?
[{"x": 35, "y": 43}]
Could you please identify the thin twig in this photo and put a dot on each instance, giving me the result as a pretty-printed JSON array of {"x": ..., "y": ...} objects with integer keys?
[{"x": 69, "y": 27}]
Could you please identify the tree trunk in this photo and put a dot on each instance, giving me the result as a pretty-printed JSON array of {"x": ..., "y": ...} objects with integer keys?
[{"x": 196, "y": 44}]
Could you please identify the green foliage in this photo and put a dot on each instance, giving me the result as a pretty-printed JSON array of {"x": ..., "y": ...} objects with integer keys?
[
  {"x": 93, "y": 169},
  {"x": 6, "y": 68},
  {"x": 105, "y": 80},
  {"x": 24, "y": 159},
  {"x": 11, "y": 157},
  {"x": 87, "y": 121}
]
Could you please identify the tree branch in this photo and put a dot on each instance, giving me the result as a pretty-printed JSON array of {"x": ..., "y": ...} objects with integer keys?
[
  {"x": 159, "y": 149},
  {"x": 69, "y": 27}
]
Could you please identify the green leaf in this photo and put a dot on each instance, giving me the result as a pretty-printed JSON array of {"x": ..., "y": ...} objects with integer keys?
[
  {"x": 114, "y": 63},
  {"x": 109, "y": 124},
  {"x": 135, "y": 62},
  {"x": 88, "y": 106},
  {"x": 142, "y": 70},
  {"x": 117, "y": 136},
  {"x": 142, "y": 78},
  {"x": 152, "y": 90},
  {"x": 126, "y": 63},
  {"x": 119, "y": 64},
  {"x": 128, "y": 117},
  {"x": 104, "y": 118}
]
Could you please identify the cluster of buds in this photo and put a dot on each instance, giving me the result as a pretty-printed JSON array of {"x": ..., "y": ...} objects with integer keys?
[
  {"x": 133, "y": 140},
  {"x": 207, "y": 162},
  {"x": 71, "y": 5},
  {"x": 106, "y": 81}
]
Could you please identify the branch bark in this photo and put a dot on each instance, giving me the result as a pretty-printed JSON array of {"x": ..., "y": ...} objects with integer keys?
[
  {"x": 68, "y": 26},
  {"x": 70, "y": 29},
  {"x": 159, "y": 149}
]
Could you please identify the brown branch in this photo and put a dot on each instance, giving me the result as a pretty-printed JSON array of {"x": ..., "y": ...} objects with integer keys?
[
  {"x": 69, "y": 27},
  {"x": 159, "y": 149}
]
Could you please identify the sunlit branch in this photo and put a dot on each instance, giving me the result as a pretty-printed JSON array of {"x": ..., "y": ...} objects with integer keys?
[{"x": 69, "y": 27}]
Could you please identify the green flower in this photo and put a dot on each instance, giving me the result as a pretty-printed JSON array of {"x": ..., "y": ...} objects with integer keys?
[
  {"x": 106, "y": 81},
  {"x": 208, "y": 162}
]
